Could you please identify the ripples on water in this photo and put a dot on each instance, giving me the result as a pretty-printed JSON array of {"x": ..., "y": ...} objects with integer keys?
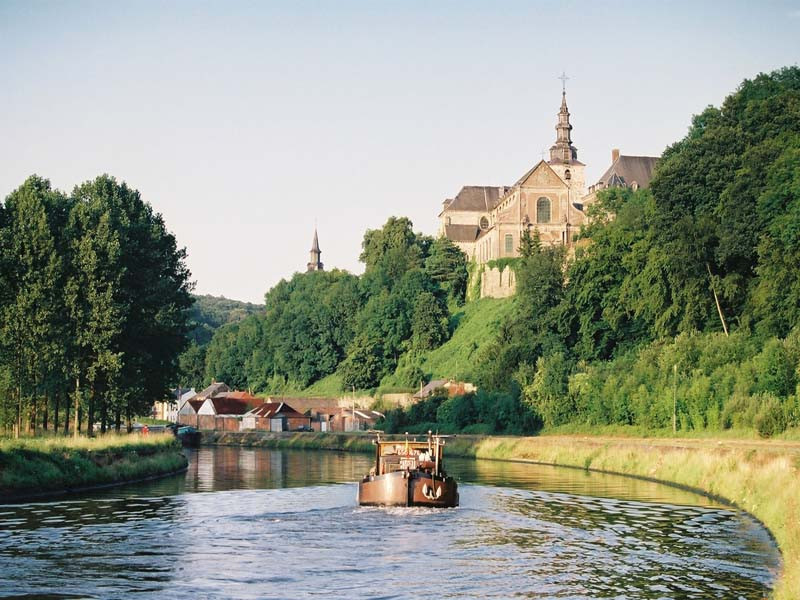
[{"x": 282, "y": 525}]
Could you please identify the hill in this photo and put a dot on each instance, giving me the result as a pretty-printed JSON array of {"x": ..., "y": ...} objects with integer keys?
[{"x": 209, "y": 313}]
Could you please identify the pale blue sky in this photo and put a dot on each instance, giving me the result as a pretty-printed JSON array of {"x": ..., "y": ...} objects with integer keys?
[{"x": 243, "y": 122}]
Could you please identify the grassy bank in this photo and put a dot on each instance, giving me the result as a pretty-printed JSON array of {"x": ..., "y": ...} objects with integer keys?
[
  {"x": 40, "y": 466},
  {"x": 760, "y": 477}
]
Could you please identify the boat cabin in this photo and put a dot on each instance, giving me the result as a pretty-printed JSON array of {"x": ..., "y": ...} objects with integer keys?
[{"x": 408, "y": 456}]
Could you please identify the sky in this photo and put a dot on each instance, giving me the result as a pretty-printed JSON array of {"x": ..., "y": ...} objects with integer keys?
[{"x": 246, "y": 123}]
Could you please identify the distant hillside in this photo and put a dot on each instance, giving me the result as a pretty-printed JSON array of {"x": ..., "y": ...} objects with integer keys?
[{"x": 209, "y": 313}]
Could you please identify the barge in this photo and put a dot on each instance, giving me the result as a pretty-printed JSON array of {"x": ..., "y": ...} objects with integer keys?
[{"x": 409, "y": 473}]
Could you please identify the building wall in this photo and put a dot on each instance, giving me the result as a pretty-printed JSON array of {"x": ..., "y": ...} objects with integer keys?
[{"x": 498, "y": 284}]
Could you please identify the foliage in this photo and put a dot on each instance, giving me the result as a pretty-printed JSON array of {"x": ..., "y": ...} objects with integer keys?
[
  {"x": 94, "y": 302},
  {"x": 209, "y": 313}
]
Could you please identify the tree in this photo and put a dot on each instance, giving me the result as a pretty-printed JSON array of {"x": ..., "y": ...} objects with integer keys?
[
  {"x": 30, "y": 305},
  {"x": 428, "y": 323},
  {"x": 94, "y": 308},
  {"x": 447, "y": 265}
]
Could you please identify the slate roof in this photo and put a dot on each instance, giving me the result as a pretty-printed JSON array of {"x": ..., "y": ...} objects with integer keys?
[
  {"x": 461, "y": 233},
  {"x": 476, "y": 198},
  {"x": 627, "y": 169},
  {"x": 214, "y": 389},
  {"x": 272, "y": 409}
]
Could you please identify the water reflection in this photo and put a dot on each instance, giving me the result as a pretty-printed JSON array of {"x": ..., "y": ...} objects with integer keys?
[{"x": 272, "y": 524}]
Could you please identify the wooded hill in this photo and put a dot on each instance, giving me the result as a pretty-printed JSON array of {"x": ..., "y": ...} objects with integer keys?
[{"x": 685, "y": 296}]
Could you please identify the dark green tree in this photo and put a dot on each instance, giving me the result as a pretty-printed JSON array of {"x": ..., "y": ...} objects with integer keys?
[{"x": 447, "y": 266}]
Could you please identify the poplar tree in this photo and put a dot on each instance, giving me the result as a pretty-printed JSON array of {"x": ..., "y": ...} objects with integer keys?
[{"x": 32, "y": 269}]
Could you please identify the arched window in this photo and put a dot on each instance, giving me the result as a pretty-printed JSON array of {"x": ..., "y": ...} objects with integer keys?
[
  {"x": 484, "y": 223},
  {"x": 543, "y": 210},
  {"x": 567, "y": 175}
]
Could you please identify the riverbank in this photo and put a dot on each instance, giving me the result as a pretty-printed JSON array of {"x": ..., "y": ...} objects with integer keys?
[
  {"x": 760, "y": 477},
  {"x": 42, "y": 467}
]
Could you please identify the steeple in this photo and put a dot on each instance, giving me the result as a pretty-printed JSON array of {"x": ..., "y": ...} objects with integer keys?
[
  {"x": 563, "y": 151},
  {"x": 315, "y": 264}
]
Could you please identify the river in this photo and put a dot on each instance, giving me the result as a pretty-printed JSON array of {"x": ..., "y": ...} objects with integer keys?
[{"x": 258, "y": 523}]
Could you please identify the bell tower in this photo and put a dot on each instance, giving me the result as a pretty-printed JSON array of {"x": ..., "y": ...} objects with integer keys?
[
  {"x": 315, "y": 264},
  {"x": 563, "y": 155}
]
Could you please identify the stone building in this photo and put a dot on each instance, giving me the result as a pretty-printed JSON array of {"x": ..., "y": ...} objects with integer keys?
[
  {"x": 632, "y": 172},
  {"x": 486, "y": 222}
]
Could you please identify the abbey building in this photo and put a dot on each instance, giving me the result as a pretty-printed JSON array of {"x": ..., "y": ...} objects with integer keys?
[{"x": 486, "y": 222}]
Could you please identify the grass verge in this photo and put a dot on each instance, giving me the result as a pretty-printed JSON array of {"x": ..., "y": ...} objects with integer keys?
[
  {"x": 760, "y": 477},
  {"x": 33, "y": 467}
]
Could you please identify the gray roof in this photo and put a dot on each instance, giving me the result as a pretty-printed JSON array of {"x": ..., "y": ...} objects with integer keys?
[
  {"x": 478, "y": 198},
  {"x": 213, "y": 390},
  {"x": 461, "y": 233},
  {"x": 627, "y": 169}
]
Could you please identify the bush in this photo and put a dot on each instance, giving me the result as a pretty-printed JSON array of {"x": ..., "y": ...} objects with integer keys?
[{"x": 770, "y": 419}]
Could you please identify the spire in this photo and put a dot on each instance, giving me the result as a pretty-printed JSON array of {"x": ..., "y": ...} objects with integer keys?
[
  {"x": 315, "y": 243},
  {"x": 315, "y": 264},
  {"x": 563, "y": 151}
]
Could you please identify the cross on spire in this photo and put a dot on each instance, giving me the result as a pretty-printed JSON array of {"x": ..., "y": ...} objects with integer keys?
[{"x": 563, "y": 79}]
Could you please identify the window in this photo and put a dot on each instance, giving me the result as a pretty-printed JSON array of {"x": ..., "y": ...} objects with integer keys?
[
  {"x": 509, "y": 243},
  {"x": 484, "y": 223},
  {"x": 448, "y": 221},
  {"x": 543, "y": 210},
  {"x": 567, "y": 175}
]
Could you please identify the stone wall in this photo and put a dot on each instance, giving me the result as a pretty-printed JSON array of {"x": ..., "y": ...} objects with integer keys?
[{"x": 498, "y": 284}]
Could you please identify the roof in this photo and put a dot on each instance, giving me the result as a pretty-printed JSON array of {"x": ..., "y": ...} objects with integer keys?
[
  {"x": 627, "y": 169},
  {"x": 195, "y": 404},
  {"x": 368, "y": 415},
  {"x": 273, "y": 409},
  {"x": 429, "y": 388},
  {"x": 478, "y": 198},
  {"x": 214, "y": 389},
  {"x": 237, "y": 395},
  {"x": 315, "y": 243},
  {"x": 461, "y": 233},
  {"x": 229, "y": 406}
]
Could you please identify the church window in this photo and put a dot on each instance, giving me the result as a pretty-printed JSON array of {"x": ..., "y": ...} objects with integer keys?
[
  {"x": 543, "y": 210},
  {"x": 484, "y": 223},
  {"x": 567, "y": 175},
  {"x": 509, "y": 243}
]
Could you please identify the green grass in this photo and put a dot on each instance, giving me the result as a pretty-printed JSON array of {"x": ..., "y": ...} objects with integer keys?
[
  {"x": 477, "y": 324},
  {"x": 32, "y": 466}
]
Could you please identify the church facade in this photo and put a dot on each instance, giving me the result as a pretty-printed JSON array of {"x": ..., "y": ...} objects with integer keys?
[{"x": 487, "y": 222}]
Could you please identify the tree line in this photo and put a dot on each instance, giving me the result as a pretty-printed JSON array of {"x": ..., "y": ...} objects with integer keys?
[
  {"x": 324, "y": 322},
  {"x": 94, "y": 299}
]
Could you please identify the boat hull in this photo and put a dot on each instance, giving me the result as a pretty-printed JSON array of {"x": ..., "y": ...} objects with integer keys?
[{"x": 401, "y": 488}]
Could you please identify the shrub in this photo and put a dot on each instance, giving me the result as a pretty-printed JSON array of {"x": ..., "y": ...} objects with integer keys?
[{"x": 770, "y": 419}]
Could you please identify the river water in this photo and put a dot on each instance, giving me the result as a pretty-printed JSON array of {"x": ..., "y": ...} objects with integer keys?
[{"x": 257, "y": 523}]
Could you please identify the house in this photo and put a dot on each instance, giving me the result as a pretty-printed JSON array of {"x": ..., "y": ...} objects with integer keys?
[
  {"x": 222, "y": 413},
  {"x": 452, "y": 387},
  {"x": 188, "y": 413},
  {"x": 215, "y": 389},
  {"x": 167, "y": 410},
  {"x": 354, "y": 419},
  {"x": 274, "y": 416}
]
